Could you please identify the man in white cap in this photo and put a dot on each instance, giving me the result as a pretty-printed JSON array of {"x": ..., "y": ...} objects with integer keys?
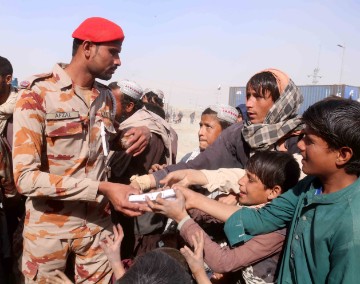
[
  {"x": 130, "y": 112},
  {"x": 127, "y": 97}
]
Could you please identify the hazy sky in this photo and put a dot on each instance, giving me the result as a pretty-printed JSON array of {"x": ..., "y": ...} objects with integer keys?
[{"x": 189, "y": 48}]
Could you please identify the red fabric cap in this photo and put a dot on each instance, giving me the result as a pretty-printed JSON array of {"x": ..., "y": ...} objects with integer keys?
[{"x": 98, "y": 29}]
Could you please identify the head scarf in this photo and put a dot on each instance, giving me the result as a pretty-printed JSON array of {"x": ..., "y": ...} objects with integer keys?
[{"x": 282, "y": 119}]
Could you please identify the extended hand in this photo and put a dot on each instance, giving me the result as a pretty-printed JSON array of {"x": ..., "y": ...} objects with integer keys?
[
  {"x": 156, "y": 167},
  {"x": 139, "y": 138},
  {"x": 185, "y": 178},
  {"x": 111, "y": 247},
  {"x": 195, "y": 259},
  {"x": 174, "y": 209}
]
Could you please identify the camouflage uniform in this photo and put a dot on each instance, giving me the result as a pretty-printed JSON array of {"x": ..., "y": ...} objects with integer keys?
[{"x": 58, "y": 163}]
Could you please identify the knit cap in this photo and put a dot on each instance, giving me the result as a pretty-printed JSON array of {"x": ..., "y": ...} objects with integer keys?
[
  {"x": 225, "y": 112},
  {"x": 131, "y": 88}
]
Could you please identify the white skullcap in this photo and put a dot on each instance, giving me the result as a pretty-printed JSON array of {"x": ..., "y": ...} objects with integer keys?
[
  {"x": 131, "y": 88},
  {"x": 157, "y": 92},
  {"x": 225, "y": 112}
]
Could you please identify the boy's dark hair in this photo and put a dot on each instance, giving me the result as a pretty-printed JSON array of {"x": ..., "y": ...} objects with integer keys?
[
  {"x": 153, "y": 98},
  {"x": 337, "y": 121},
  {"x": 155, "y": 267},
  {"x": 155, "y": 109},
  {"x": 274, "y": 168},
  {"x": 224, "y": 124},
  {"x": 5, "y": 67},
  {"x": 262, "y": 82}
]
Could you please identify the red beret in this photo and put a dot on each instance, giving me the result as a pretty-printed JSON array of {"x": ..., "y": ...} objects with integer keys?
[{"x": 98, "y": 29}]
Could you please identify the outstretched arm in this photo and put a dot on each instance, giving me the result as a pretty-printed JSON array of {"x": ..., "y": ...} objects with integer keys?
[
  {"x": 111, "y": 247},
  {"x": 195, "y": 258}
]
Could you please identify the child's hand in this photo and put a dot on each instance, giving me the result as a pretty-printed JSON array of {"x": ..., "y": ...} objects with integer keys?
[
  {"x": 58, "y": 277},
  {"x": 189, "y": 195},
  {"x": 111, "y": 246},
  {"x": 195, "y": 259},
  {"x": 174, "y": 209}
]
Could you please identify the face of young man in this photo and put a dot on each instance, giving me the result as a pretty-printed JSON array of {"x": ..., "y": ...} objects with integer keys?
[
  {"x": 105, "y": 59},
  {"x": 318, "y": 158},
  {"x": 210, "y": 129},
  {"x": 252, "y": 190},
  {"x": 258, "y": 105}
]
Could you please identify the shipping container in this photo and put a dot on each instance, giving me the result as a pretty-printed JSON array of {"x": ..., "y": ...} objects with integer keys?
[{"x": 311, "y": 93}]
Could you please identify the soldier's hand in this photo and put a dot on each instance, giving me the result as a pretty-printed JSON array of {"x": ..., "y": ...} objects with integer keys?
[
  {"x": 118, "y": 195},
  {"x": 138, "y": 139}
]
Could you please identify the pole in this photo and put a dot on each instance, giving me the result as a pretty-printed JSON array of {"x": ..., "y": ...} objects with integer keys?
[{"x": 342, "y": 62}]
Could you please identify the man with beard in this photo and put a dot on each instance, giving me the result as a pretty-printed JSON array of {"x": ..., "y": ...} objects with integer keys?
[{"x": 141, "y": 233}]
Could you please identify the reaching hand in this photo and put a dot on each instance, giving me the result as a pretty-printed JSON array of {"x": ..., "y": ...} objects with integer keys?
[
  {"x": 156, "y": 167},
  {"x": 195, "y": 259},
  {"x": 138, "y": 139},
  {"x": 111, "y": 248},
  {"x": 174, "y": 209},
  {"x": 185, "y": 178}
]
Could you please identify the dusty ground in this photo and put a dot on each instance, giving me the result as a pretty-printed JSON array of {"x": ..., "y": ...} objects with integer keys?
[{"x": 187, "y": 135}]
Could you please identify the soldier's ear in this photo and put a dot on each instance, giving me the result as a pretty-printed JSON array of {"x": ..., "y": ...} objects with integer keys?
[
  {"x": 88, "y": 47},
  {"x": 8, "y": 79}
]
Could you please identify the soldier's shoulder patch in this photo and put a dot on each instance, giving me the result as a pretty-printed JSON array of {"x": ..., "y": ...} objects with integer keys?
[{"x": 26, "y": 84}]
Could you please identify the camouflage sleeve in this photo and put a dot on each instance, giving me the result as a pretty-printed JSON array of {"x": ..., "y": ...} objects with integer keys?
[{"x": 30, "y": 174}]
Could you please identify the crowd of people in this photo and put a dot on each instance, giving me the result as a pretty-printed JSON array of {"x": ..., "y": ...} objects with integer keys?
[{"x": 267, "y": 196}]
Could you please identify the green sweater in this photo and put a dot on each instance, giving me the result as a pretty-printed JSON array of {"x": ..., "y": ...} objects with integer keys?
[{"x": 323, "y": 242}]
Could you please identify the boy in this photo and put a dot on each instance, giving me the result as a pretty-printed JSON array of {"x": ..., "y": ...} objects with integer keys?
[{"x": 268, "y": 174}]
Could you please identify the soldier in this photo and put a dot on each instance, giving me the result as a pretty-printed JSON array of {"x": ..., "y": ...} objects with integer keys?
[{"x": 62, "y": 124}]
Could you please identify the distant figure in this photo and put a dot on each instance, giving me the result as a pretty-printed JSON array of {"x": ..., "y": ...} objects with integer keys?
[
  {"x": 192, "y": 117},
  {"x": 179, "y": 117}
]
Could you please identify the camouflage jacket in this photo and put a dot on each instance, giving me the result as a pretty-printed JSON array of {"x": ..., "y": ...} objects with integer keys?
[{"x": 58, "y": 156}]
